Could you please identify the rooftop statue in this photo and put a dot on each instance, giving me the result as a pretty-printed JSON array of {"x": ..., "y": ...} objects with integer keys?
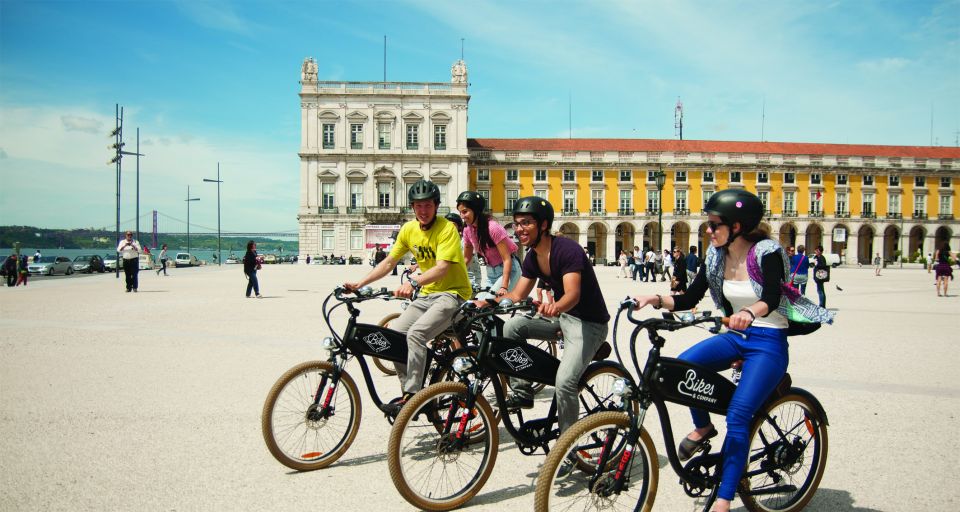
[
  {"x": 308, "y": 73},
  {"x": 458, "y": 72}
]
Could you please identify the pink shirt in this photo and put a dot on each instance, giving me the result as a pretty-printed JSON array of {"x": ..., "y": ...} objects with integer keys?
[{"x": 497, "y": 234}]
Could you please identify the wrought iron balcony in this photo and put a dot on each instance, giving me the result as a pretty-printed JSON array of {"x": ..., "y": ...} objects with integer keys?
[
  {"x": 359, "y": 210},
  {"x": 868, "y": 215},
  {"x": 842, "y": 215},
  {"x": 570, "y": 212},
  {"x": 894, "y": 216},
  {"x": 817, "y": 214},
  {"x": 599, "y": 213},
  {"x": 406, "y": 209},
  {"x": 356, "y": 145},
  {"x": 920, "y": 215},
  {"x": 789, "y": 214},
  {"x": 625, "y": 211},
  {"x": 945, "y": 216},
  {"x": 681, "y": 212},
  {"x": 331, "y": 210}
]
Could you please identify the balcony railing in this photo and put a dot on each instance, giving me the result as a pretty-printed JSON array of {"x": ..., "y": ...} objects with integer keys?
[
  {"x": 570, "y": 212},
  {"x": 406, "y": 209},
  {"x": 597, "y": 212},
  {"x": 356, "y": 145},
  {"x": 920, "y": 215},
  {"x": 681, "y": 212},
  {"x": 789, "y": 213},
  {"x": 842, "y": 215},
  {"x": 945, "y": 216},
  {"x": 332, "y": 209},
  {"x": 894, "y": 216},
  {"x": 625, "y": 211},
  {"x": 358, "y": 210},
  {"x": 868, "y": 215},
  {"x": 817, "y": 214}
]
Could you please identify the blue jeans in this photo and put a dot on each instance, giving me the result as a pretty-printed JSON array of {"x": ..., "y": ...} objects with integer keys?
[
  {"x": 494, "y": 278},
  {"x": 765, "y": 359},
  {"x": 253, "y": 284}
]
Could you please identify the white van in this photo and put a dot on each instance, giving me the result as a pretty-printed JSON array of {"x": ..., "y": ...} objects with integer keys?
[
  {"x": 185, "y": 259},
  {"x": 146, "y": 262}
]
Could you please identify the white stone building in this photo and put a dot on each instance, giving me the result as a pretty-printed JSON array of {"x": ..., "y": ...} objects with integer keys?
[{"x": 364, "y": 143}]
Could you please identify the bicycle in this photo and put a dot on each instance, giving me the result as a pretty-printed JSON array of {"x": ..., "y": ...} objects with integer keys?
[
  {"x": 443, "y": 467},
  {"x": 616, "y": 462},
  {"x": 312, "y": 413}
]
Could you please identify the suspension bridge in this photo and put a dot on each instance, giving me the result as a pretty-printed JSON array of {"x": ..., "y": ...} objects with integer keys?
[{"x": 150, "y": 225}]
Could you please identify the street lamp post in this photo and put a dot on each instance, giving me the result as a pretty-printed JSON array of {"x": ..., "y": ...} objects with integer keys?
[
  {"x": 117, "y": 147},
  {"x": 218, "y": 181},
  {"x": 188, "y": 200},
  {"x": 660, "y": 178}
]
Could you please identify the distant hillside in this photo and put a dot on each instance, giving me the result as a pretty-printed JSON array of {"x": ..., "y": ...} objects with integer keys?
[{"x": 41, "y": 238}]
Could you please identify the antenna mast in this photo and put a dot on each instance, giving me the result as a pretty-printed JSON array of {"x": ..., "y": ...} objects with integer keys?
[{"x": 678, "y": 119}]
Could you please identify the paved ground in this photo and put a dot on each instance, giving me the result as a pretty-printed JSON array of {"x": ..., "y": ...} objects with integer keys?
[{"x": 151, "y": 401}]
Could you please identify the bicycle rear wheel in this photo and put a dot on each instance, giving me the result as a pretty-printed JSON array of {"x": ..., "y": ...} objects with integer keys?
[
  {"x": 434, "y": 470},
  {"x": 788, "y": 454},
  {"x": 592, "y": 487},
  {"x": 301, "y": 434},
  {"x": 385, "y": 366}
]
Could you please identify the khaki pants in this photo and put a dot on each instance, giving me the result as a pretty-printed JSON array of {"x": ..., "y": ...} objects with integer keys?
[{"x": 423, "y": 320}]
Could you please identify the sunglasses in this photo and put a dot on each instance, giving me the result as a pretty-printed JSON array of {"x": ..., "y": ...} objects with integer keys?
[{"x": 714, "y": 225}]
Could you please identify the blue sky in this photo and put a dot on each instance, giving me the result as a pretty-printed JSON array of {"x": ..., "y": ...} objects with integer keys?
[{"x": 209, "y": 81}]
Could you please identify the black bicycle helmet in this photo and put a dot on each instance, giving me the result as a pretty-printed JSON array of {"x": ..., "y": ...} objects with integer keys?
[
  {"x": 735, "y": 205},
  {"x": 539, "y": 208},
  {"x": 422, "y": 190},
  {"x": 473, "y": 200},
  {"x": 454, "y": 217}
]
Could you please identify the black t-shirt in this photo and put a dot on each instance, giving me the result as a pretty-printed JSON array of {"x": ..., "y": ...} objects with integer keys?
[{"x": 567, "y": 256}]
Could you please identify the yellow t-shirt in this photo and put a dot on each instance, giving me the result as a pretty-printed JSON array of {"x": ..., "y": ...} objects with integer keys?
[{"x": 440, "y": 242}]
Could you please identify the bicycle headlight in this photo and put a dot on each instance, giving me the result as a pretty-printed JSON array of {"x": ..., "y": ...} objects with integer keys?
[
  {"x": 328, "y": 343},
  {"x": 621, "y": 387},
  {"x": 462, "y": 365}
]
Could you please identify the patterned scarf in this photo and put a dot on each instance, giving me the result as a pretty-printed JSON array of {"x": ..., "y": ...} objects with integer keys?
[{"x": 793, "y": 306}]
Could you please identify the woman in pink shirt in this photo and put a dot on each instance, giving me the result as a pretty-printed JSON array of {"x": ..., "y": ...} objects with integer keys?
[{"x": 485, "y": 236}]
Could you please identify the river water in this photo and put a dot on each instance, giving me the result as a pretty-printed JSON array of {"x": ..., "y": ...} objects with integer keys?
[{"x": 203, "y": 255}]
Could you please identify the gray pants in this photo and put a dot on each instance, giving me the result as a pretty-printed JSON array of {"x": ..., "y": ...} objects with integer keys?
[
  {"x": 422, "y": 321},
  {"x": 580, "y": 342}
]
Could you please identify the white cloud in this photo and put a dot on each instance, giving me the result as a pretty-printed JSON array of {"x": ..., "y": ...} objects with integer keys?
[
  {"x": 885, "y": 65},
  {"x": 82, "y": 124},
  {"x": 219, "y": 15}
]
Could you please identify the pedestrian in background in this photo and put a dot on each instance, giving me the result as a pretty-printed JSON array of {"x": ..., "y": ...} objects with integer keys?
[
  {"x": 821, "y": 275},
  {"x": 622, "y": 261},
  {"x": 692, "y": 263},
  {"x": 22, "y": 278},
  {"x": 163, "y": 260},
  {"x": 678, "y": 282},
  {"x": 877, "y": 263},
  {"x": 650, "y": 265},
  {"x": 944, "y": 272},
  {"x": 251, "y": 265},
  {"x": 36, "y": 256},
  {"x": 129, "y": 250},
  {"x": 800, "y": 264},
  {"x": 637, "y": 262},
  {"x": 10, "y": 270},
  {"x": 666, "y": 266}
]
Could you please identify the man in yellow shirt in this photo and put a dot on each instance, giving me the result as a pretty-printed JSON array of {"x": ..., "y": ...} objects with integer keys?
[{"x": 444, "y": 286}]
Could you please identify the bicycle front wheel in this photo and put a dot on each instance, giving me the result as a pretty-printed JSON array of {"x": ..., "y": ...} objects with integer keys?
[
  {"x": 302, "y": 434},
  {"x": 435, "y": 469},
  {"x": 788, "y": 454},
  {"x": 595, "y": 485}
]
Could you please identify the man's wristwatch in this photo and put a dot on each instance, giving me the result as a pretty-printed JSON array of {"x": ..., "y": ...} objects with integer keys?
[{"x": 414, "y": 283}]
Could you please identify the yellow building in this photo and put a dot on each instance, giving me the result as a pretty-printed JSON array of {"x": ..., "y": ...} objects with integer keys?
[{"x": 855, "y": 200}]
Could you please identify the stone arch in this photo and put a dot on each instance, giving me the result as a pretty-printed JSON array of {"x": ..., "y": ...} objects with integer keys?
[
  {"x": 765, "y": 227},
  {"x": 680, "y": 236},
  {"x": 569, "y": 230},
  {"x": 651, "y": 232},
  {"x": 917, "y": 234},
  {"x": 891, "y": 243},
  {"x": 942, "y": 236},
  {"x": 813, "y": 237},
  {"x": 788, "y": 234},
  {"x": 597, "y": 233},
  {"x": 703, "y": 240},
  {"x": 865, "y": 244},
  {"x": 625, "y": 233}
]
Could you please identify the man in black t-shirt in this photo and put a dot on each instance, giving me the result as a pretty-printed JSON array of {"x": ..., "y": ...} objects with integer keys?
[{"x": 578, "y": 309}]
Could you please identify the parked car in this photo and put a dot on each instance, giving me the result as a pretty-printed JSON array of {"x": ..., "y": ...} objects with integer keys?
[
  {"x": 146, "y": 262},
  {"x": 269, "y": 259},
  {"x": 110, "y": 261},
  {"x": 185, "y": 259},
  {"x": 232, "y": 260},
  {"x": 88, "y": 263},
  {"x": 50, "y": 265}
]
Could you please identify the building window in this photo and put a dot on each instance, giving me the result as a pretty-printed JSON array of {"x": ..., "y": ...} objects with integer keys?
[
  {"x": 735, "y": 177},
  {"x": 790, "y": 203},
  {"x": 816, "y": 204},
  {"x": 816, "y": 178},
  {"x": 356, "y": 195},
  {"x": 651, "y": 176},
  {"x": 706, "y": 197},
  {"x": 596, "y": 175},
  {"x": 763, "y": 177},
  {"x": 383, "y": 135},
  {"x": 893, "y": 181},
  {"x": 653, "y": 201},
  {"x": 945, "y": 206},
  {"x": 868, "y": 204},
  {"x": 708, "y": 176},
  {"x": 326, "y": 238},
  {"x": 789, "y": 178},
  {"x": 625, "y": 175},
  {"x": 483, "y": 174},
  {"x": 596, "y": 201},
  {"x": 626, "y": 200},
  {"x": 413, "y": 136},
  {"x": 326, "y": 196},
  {"x": 868, "y": 181},
  {"x": 384, "y": 190},
  {"x": 356, "y": 239},
  {"x": 764, "y": 198},
  {"x": 356, "y": 136},
  {"x": 486, "y": 197},
  {"x": 919, "y": 181},
  {"x": 541, "y": 193},
  {"x": 513, "y": 175},
  {"x": 893, "y": 202},
  {"x": 440, "y": 136},
  {"x": 945, "y": 182},
  {"x": 841, "y": 179},
  {"x": 919, "y": 205},
  {"x": 539, "y": 175},
  {"x": 512, "y": 196},
  {"x": 680, "y": 176},
  {"x": 328, "y": 136},
  {"x": 569, "y": 175},
  {"x": 569, "y": 200},
  {"x": 842, "y": 203},
  {"x": 681, "y": 200}
]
